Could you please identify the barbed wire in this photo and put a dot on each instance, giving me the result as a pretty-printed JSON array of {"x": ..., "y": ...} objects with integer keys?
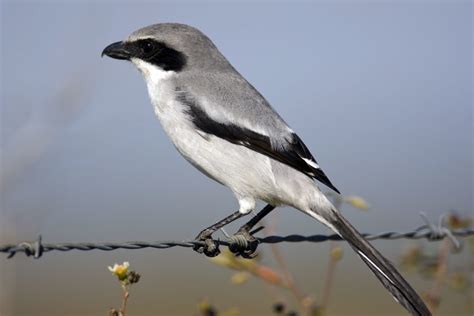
[{"x": 38, "y": 248}]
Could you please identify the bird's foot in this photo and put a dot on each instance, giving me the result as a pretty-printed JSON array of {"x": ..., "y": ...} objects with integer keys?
[
  {"x": 207, "y": 246},
  {"x": 244, "y": 244}
]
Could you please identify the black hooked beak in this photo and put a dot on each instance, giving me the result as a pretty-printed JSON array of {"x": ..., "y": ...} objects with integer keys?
[{"x": 117, "y": 51}]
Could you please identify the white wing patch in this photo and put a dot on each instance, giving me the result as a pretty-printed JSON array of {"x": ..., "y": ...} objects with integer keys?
[{"x": 311, "y": 163}]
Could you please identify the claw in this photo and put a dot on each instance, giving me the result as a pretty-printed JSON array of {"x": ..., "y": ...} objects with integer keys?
[
  {"x": 244, "y": 245},
  {"x": 210, "y": 247}
]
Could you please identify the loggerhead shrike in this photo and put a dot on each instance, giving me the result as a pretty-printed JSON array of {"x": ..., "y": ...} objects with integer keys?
[{"x": 224, "y": 127}]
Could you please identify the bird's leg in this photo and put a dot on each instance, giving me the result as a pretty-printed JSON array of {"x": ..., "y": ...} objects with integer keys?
[
  {"x": 244, "y": 232},
  {"x": 210, "y": 247}
]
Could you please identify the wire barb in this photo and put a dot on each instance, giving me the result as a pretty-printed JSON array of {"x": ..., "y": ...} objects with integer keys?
[
  {"x": 439, "y": 232},
  {"x": 34, "y": 249}
]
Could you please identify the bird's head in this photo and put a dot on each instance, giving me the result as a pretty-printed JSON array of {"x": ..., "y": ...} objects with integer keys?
[{"x": 167, "y": 48}]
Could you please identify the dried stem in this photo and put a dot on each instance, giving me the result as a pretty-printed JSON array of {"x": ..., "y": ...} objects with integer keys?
[
  {"x": 434, "y": 295},
  {"x": 125, "y": 296},
  {"x": 328, "y": 283},
  {"x": 290, "y": 281},
  {"x": 288, "y": 276}
]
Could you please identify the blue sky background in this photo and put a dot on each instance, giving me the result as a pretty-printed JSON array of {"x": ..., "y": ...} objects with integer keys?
[{"x": 381, "y": 93}]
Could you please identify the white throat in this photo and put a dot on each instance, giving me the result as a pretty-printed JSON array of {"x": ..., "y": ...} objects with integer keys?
[
  {"x": 157, "y": 81},
  {"x": 160, "y": 87},
  {"x": 153, "y": 75}
]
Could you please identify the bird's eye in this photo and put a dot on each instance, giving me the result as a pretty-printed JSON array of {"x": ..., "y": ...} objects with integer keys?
[{"x": 147, "y": 47}]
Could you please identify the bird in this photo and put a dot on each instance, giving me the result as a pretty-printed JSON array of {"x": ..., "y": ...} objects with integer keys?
[{"x": 225, "y": 128}]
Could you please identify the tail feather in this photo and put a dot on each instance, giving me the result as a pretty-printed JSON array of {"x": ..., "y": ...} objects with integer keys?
[{"x": 380, "y": 266}]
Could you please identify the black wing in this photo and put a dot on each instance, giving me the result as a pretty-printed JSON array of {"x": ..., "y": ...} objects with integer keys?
[{"x": 294, "y": 154}]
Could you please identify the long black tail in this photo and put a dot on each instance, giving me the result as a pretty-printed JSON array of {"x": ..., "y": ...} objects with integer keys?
[{"x": 381, "y": 267}]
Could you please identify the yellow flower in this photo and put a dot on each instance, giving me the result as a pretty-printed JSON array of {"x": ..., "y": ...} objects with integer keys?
[
  {"x": 120, "y": 270},
  {"x": 336, "y": 253},
  {"x": 240, "y": 277},
  {"x": 229, "y": 260},
  {"x": 205, "y": 308},
  {"x": 357, "y": 202},
  {"x": 204, "y": 305}
]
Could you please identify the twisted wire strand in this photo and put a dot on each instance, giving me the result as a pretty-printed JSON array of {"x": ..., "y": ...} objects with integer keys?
[{"x": 37, "y": 248}]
